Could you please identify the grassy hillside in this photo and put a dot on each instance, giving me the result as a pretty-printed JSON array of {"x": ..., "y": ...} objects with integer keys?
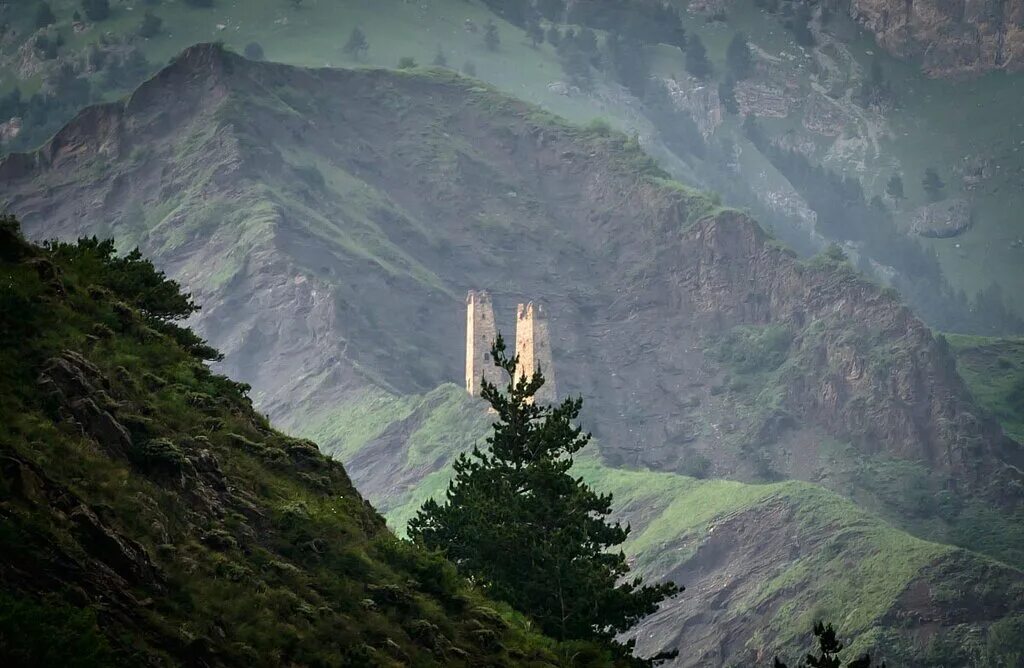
[
  {"x": 762, "y": 561},
  {"x": 994, "y": 370},
  {"x": 151, "y": 516}
]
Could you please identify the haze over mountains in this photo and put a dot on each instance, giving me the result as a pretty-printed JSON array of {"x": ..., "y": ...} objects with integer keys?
[
  {"x": 786, "y": 436},
  {"x": 330, "y": 222}
]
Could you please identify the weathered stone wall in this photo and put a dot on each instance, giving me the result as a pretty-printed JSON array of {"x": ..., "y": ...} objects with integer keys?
[
  {"x": 480, "y": 334},
  {"x": 533, "y": 345}
]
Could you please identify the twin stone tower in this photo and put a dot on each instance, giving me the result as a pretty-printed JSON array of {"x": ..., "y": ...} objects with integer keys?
[{"x": 533, "y": 345}]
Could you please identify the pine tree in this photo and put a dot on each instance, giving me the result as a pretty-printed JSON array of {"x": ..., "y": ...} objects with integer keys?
[
  {"x": 894, "y": 187},
  {"x": 491, "y": 38},
  {"x": 738, "y": 57},
  {"x": 554, "y": 36},
  {"x": 727, "y": 95},
  {"x": 587, "y": 41},
  {"x": 829, "y": 648},
  {"x": 697, "y": 62},
  {"x": 629, "y": 62},
  {"x": 44, "y": 16},
  {"x": 800, "y": 26},
  {"x": 96, "y": 10},
  {"x": 357, "y": 44},
  {"x": 440, "y": 60},
  {"x": 530, "y": 533},
  {"x": 534, "y": 31},
  {"x": 932, "y": 184}
]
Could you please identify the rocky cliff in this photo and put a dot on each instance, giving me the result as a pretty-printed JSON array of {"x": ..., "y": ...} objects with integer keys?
[{"x": 948, "y": 38}]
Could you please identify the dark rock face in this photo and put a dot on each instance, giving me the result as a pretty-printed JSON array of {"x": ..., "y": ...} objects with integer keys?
[
  {"x": 105, "y": 564},
  {"x": 79, "y": 390},
  {"x": 948, "y": 218},
  {"x": 948, "y": 38}
]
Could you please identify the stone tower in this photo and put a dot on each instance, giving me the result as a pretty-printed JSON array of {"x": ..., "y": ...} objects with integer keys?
[
  {"x": 480, "y": 334},
  {"x": 533, "y": 345}
]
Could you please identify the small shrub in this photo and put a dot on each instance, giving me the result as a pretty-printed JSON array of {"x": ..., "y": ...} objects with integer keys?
[
  {"x": 748, "y": 349},
  {"x": 406, "y": 63},
  {"x": 151, "y": 25},
  {"x": 696, "y": 466},
  {"x": 161, "y": 456},
  {"x": 254, "y": 51},
  {"x": 600, "y": 126},
  {"x": 50, "y": 633}
]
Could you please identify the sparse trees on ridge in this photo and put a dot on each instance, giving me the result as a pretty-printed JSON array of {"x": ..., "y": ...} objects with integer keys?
[{"x": 357, "y": 44}]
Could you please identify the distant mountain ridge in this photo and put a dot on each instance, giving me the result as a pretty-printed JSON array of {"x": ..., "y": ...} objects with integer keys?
[{"x": 357, "y": 207}]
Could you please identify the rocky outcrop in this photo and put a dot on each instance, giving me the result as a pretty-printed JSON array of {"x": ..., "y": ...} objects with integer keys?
[
  {"x": 865, "y": 367},
  {"x": 948, "y": 38},
  {"x": 79, "y": 392},
  {"x": 948, "y": 218},
  {"x": 698, "y": 98}
]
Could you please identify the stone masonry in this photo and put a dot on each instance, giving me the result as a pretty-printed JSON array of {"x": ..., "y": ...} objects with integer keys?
[
  {"x": 480, "y": 334},
  {"x": 533, "y": 345}
]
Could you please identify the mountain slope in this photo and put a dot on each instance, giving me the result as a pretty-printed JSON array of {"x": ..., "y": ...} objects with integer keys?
[
  {"x": 832, "y": 95},
  {"x": 357, "y": 207},
  {"x": 760, "y": 563},
  {"x": 151, "y": 517}
]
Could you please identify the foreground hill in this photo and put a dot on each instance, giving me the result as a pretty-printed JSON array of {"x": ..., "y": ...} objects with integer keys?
[{"x": 151, "y": 517}]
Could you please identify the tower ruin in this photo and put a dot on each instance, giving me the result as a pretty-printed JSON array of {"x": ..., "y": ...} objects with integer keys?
[
  {"x": 480, "y": 334},
  {"x": 533, "y": 345}
]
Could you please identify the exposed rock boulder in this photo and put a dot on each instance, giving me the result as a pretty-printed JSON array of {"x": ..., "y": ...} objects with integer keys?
[
  {"x": 944, "y": 219},
  {"x": 79, "y": 391},
  {"x": 698, "y": 98},
  {"x": 763, "y": 99},
  {"x": 10, "y": 130}
]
